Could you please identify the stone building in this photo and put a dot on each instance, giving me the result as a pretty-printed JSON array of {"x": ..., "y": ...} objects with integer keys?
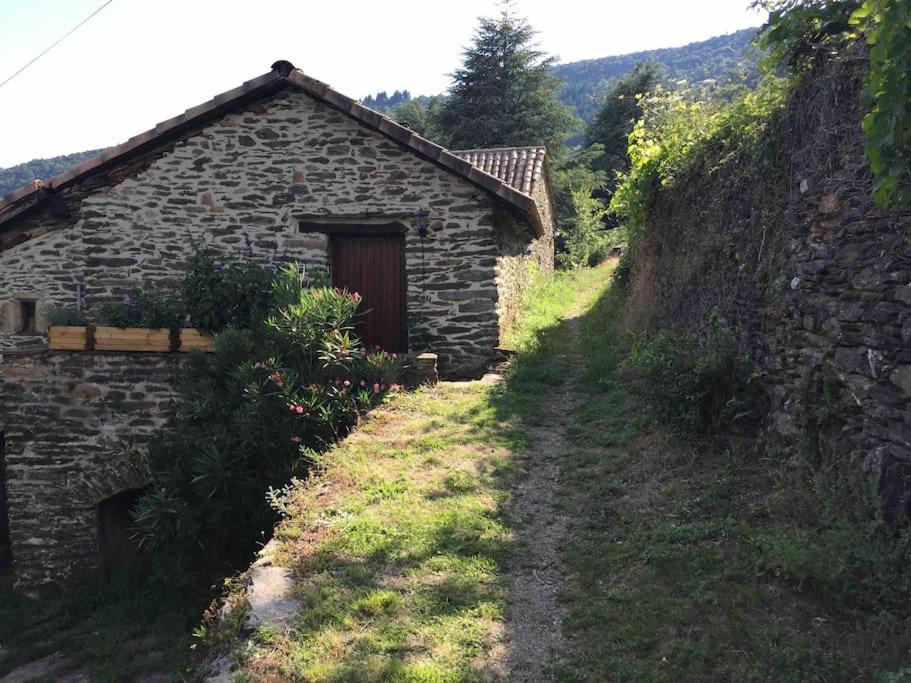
[{"x": 281, "y": 169}]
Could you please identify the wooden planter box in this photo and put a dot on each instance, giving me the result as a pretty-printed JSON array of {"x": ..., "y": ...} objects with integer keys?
[
  {"x": 61, "y": 338},
  {"x": 64, "y": 338},
  {"x": 194, "y": 339},
  {"x": 132, "y": 339}
]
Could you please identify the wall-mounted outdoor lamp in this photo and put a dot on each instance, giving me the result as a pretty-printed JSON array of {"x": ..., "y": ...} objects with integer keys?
[{"x": 422, "y": 221}]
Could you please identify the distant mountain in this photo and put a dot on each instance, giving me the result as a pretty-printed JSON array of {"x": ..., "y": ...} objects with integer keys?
[
  {"x": 43, "y": 169},
  {"x": 723, "y": 58}
]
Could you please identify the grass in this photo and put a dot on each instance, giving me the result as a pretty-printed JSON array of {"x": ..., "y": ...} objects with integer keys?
[
  {"x": 698, "y": 564},
  {"x": 402, "y": 543},
  {"x": 684, "y": 563},
  {"x": 108, "y": 625},
  {"x": 398, "y": 546}
]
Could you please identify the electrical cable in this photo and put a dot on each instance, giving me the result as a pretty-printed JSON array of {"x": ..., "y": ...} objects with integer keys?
[{"x": 57, "y": 42}]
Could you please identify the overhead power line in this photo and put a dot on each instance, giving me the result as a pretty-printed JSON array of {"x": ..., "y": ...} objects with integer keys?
[{"x": 57, "y": 42}]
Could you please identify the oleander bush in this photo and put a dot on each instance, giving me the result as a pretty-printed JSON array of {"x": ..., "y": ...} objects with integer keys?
[{"x": 251, "y": 416}]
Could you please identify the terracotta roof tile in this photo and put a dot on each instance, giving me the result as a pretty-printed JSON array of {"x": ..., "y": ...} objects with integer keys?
[{"x": 519, "y": 167}]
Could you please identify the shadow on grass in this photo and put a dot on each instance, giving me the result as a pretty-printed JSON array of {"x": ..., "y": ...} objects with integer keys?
[{"x": 114, "y": 625}]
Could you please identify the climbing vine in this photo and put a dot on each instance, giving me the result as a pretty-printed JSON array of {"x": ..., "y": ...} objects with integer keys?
[
  {"x": 800, "y": 30},
  {"x": 887, "y": 24}
]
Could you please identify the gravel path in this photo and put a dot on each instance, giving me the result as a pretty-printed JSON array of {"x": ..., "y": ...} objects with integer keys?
[{"x": 532, "y": 640}]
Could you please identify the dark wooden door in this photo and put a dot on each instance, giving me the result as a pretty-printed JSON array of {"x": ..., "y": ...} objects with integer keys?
[{"x": 374, "y": 267}]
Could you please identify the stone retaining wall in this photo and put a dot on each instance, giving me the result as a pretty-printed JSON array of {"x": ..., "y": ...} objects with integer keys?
[
  {"x": 65, "y": 417},
  {"x": 815, "y": 279}
]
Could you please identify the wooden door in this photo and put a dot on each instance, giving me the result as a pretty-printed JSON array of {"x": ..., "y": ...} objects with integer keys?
[{"x": 374, "y": 267}]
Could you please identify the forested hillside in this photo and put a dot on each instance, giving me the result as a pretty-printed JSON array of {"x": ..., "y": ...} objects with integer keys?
[
  {"x": 723, "y": 57},
  {"x": 23, "y": 174}
]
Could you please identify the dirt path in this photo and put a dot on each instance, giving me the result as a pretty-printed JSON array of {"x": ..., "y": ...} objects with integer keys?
[{"x": 533, "y": 639}]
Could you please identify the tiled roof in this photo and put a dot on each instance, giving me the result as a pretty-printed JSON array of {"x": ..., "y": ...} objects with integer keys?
[
  {"x": 282, "y": 75},
  {"x": 519, "y": 167}
]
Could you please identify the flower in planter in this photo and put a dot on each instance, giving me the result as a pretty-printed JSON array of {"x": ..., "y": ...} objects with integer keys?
[
  {"x": 296, "y": 440},
  {"x": 376, "y": 388}
]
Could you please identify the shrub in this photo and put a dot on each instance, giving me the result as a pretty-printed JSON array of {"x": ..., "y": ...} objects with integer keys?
[
  {"x": 65, "y": 316},
  {"x": 153, "y": 305},
  {"x": 220, "y": 292},
  {"x": 693, "y": 385},
  {"x": 676, "y": 130},
  {"x": 587, "y": 242},
  {"x": 252, "y": 415},
  {"x": 623, "y": 273}
]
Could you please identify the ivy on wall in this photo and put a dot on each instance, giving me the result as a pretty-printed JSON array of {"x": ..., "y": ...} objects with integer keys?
[
  {"x": 887, "y": 25},
  {"x": 800, "y": 30}
]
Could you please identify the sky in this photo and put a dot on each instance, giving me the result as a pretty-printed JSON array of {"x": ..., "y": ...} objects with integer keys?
[{"x": 138, "y": 62}]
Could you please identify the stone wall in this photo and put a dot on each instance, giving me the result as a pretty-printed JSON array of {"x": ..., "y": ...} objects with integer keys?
[
  {"x": 814, "y": 278},
  {"x": 520, "y": 261},
  {"x": 243, "y": 184},
  {"x": 65, "y": 417}
]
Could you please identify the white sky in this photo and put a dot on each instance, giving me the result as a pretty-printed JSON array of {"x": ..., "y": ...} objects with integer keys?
[{"x": 139, "y": 62}]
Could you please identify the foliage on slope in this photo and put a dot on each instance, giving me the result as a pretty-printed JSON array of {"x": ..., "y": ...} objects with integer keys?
[
  {"x": 730, "y": 57},
  {"x": 39, "y": 169}
]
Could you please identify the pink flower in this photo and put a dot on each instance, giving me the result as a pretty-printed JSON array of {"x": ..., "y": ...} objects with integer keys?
[
  {"x": 395, "y": 387},
  {"x": 376, "y": 388},
  {"x": 292, "y": 408},
  {"x": 363, "y": 383},
  {"x": 295, "y": 440},
  {"x": 299, "y": 410},
  {"x": 347, "y": 383},
  {"x": 356, "y": 296}
]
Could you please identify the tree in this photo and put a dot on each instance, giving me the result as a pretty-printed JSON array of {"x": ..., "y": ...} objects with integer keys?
[
  {"x": 505, "y": 93},
  {"x": 615, "y": 121},
  {"x": 421, "y": 116}
]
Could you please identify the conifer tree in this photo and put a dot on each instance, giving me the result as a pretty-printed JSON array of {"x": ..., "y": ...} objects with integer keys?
[
  {"x": 614, "y": 122},
  {"x": 505, "y": 93}
]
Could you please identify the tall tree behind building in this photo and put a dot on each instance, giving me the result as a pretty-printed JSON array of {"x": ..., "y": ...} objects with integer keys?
[
  {"x": 505, "y": 93},
  {"x": 615, "y": 121}
]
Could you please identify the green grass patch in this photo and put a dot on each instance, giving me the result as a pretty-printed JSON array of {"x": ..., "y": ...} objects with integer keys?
[
  {"x": 110, "y": 625},
  {"x": 402, "y": 569},
  {"x": 696, "y": 564}
]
